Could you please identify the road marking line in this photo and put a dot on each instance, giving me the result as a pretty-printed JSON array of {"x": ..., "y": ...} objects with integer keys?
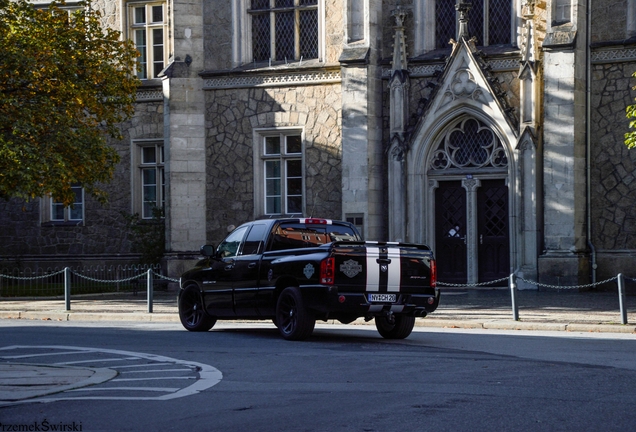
[
  {"x": 158, "y": 370},
  {"x": 43, "y": 355},
  {"x": 98, "y": 361},
  {"x": 144, "y": 365},
  {"x": 151, "y": 379},
  {"x": 208, "y": 376},
  {"x": 150, "y": 389}
]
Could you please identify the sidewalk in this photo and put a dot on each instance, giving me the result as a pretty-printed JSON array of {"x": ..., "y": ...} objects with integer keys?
[{"x": 559, "y": 310}]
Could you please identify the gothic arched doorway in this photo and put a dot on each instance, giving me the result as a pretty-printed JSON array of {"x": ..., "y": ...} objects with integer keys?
[{"x": 468, "y": 172}]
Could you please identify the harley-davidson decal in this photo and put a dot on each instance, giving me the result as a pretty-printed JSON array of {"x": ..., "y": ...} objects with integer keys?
[
  {"x": 308, "y": 271},
  {"x": 350, "y": 268}
]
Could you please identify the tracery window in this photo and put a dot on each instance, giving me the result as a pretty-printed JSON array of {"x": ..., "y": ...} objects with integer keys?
[
  {"x": 489, "y": 20},
  {"x": 469, "y": 144}
]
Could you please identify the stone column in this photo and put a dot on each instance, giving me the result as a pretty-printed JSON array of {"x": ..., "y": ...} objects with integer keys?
[
  {"x": 398, "y": 115},
  {"x": 565, "y": 261},
  {"x": 472, "y": 270},
  {"x": 184, "y": 123},
  {"x": 363, "y": 157}
]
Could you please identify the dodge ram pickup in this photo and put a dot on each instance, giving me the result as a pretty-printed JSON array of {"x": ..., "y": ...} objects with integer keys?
[{"x": 297, "y": 271}]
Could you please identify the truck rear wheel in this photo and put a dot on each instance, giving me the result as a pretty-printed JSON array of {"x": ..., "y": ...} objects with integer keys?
[
  {"x": 399, "y": 329},
  {"x": 292, "y": 318}
]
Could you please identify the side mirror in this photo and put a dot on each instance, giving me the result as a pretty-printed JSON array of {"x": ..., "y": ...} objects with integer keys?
[{"x": 208, "y": 250}]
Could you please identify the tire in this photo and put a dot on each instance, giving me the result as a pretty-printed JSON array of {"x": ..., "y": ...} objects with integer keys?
[
  {"x": 293, "y": 320},
  {"x": 400, "y": 329},
  {"x": 191, "y": 311}
]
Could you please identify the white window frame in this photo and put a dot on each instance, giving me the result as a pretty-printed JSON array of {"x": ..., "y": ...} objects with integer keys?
[
  {"x": 260, "y": 172},
  {"x": 425, "y": 24},
  {"x": 147, "y": 28},
  {"x": 138, "y": 166},
  {"x": 242, "y": 33},
  {"x": 73, "y": 215}
]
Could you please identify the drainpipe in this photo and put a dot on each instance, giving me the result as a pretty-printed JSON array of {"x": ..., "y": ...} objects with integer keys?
[{"x": 588, "y": 139}]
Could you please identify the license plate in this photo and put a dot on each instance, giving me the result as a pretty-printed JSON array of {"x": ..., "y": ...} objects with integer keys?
[{"x": 386, "y": 298}]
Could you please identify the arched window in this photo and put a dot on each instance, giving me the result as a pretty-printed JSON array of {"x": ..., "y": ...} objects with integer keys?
[{"x": 469, "y": 144}]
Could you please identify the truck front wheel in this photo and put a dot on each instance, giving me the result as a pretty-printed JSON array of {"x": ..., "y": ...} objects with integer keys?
[
  {"x": 292, "y": 318},
  {"x": 399, "y": 329},
  {"x": 191, "y": 312}
]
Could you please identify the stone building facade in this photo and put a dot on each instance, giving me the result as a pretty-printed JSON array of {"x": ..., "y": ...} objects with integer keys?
[{"x": 491, "y": 130}]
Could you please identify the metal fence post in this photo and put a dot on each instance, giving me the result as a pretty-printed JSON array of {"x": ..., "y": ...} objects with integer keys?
[
  {"x": 513, "y": 297},
  {"x": 621, "y": 298},
  {"x": 150, "y": 290},
  {"x": 67, "y": 288}
]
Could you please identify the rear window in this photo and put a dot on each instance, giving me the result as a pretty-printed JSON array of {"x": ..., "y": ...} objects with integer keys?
[{"x": 298, "y": 235}]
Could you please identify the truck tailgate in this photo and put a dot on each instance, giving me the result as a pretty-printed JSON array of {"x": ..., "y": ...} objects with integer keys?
[{"x": 383, "y": 267}]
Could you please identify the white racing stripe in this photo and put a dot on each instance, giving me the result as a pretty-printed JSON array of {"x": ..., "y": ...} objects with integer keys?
[
  {"x": 395, "y": 273},
  {"x": 373, "y": 269}
]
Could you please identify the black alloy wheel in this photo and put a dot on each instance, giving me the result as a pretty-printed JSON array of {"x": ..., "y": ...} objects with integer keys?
[
  {"x": 191, "y": 312},
  {"x": 293, "y": 319},
  {"x": 399, "y": 329}
]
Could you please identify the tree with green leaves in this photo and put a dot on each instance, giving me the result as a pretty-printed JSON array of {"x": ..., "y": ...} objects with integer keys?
[
  {"x": 630, "y": 137},
  {"x": 66, "y": 82}
]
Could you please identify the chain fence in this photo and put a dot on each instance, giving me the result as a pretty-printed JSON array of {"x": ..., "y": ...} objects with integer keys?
[
  {"x": 50, "y": 282},
  {"x": 55, "y": 282},
  {"x": 512, "y": 285},
  {"x": 46, "y": 283}
]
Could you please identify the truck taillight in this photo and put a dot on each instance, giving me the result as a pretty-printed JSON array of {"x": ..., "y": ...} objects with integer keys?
[
  {"x": 433, "y": 273},
  {"x": 327, "y": 271}
]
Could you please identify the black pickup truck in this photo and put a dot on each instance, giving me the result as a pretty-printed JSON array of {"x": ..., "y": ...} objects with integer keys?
[{"x": 297, "y": 271}]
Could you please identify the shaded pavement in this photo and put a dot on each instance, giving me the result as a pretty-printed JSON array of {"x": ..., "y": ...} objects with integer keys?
[{"x": 556, "y": 310}]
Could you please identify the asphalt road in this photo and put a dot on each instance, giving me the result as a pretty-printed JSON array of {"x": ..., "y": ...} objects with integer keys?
[{"x": 345, "y": 378}]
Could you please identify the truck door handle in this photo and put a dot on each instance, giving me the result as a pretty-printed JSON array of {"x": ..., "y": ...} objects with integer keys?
[
  {"x": 229, "y": 267},
  {"x": 251, "y": 265},
  {"x": 383, "y": 261}
]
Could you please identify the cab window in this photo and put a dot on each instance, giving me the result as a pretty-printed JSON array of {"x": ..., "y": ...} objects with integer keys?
[
  {"x": 254, "y": 241},
  {"x": 230, "y": 246}
]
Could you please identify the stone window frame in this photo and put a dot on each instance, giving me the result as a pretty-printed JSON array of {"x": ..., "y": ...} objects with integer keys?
[
  {"x": 561, "y": 12},
  {"x": 71, "y": 215},
  {"x": 138, "y": 165},
  {"x": 260, "y": 159},
  {"x": 425, "y": 25},
  {"x": 133, "y": 28},
  {"x": 242, "y": 33}
]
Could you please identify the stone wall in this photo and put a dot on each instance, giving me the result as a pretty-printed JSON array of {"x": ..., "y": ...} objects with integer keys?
[
  {"x": 231, "y": 117},
  {"x": 613, "y": 171}
]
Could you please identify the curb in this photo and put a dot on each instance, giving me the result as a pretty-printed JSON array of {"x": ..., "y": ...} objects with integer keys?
[
  {"x": 428, "y": 322},
  {"x": 88, "y": 316}
]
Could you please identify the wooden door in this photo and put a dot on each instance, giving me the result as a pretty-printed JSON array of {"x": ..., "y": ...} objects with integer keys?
[
  {"x": 450, "y": 232},
  {"x": 493, "y": 230}
]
